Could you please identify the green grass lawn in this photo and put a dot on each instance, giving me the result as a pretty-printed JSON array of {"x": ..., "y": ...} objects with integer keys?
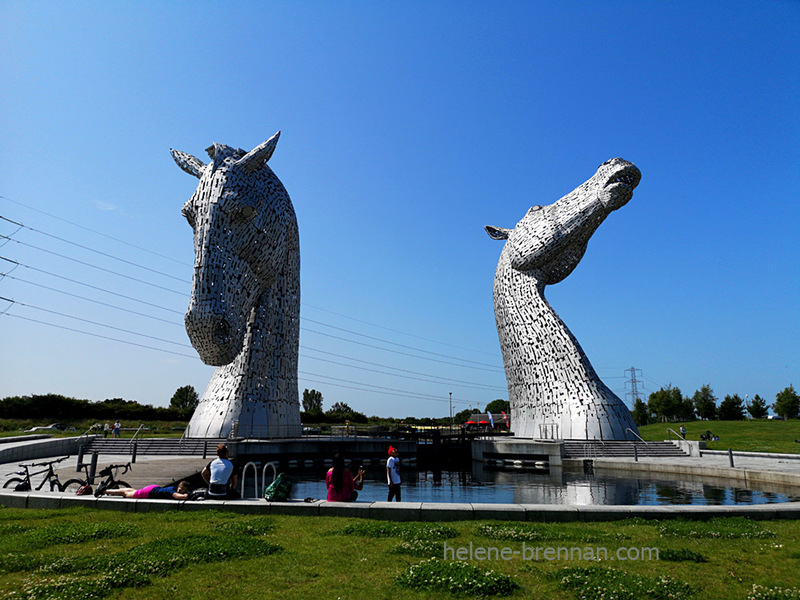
[
  {"x": 750, "y": 436},
  {"x": 83, "y": 553}
]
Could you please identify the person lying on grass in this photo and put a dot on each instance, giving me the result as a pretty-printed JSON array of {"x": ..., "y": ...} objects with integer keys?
[{"x": 170, "y": 492}]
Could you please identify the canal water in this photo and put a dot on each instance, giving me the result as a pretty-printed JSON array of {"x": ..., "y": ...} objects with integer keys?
[{"x": 552, "y": 487}]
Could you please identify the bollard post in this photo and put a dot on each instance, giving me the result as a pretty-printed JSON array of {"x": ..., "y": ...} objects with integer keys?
[
  {"x": 635, "y": 452},
  {"x": 92, "y": 469},
  {"x": 80, "y": 459},
  {"x": 135, "y": 447},
  {"x": 730, "y": 456}
]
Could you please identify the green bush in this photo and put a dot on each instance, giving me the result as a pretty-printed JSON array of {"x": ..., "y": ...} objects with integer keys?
[
  {"x": 521, "y": 532},
  {"x": 728, "y": 528},
  {"x": 422, "y": 531},
  {"x": 599, "y": 583},
  {"x": 681, "y": 555},
  {"x": 99, "y": 576},
  {"x": 457, "y": 578},
  {"x": 75, "y": 533},
  {"x": 418, "y": 547},
  {"x": 763, "y": 593}
]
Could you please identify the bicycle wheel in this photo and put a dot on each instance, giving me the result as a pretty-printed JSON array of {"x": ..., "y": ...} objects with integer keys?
[
  {"x": 13, "y": 482},
  {"x": 71, "y": 486},
  {"x": 121, "y": 484}
]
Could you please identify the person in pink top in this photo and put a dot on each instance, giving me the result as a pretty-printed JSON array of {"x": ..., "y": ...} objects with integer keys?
[{"x": 342, "y": 486}]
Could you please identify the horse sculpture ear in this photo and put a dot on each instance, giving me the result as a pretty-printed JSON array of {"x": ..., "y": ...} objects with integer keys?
[
  {"x": 497, "y": 233},
  {"x": 258, "y": 157},
  {"x": 187, "y": 162}
]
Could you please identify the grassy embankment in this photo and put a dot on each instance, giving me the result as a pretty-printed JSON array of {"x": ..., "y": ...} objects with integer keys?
[
  {"x": 81, "y": 553},
  {"x": 749, "y": 436}
]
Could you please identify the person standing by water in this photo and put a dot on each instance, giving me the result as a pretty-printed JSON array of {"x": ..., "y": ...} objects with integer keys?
[
  {"x": 342, "y": 486},
  {"x": 117, "y": 428},
  {"x": 393, "y": 474},
  {"x": 106, "y": 428}
]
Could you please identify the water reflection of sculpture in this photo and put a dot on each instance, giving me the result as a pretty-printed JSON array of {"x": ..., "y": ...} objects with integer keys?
[
  {"x": 552, "y": 387},
  {"x": 244, "y": 312}
]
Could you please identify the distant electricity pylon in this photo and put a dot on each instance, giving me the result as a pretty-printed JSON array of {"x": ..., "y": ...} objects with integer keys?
[{"x": 634, "y": 392}]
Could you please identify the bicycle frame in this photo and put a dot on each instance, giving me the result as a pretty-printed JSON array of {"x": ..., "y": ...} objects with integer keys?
[{"x": 50, "y": 476}]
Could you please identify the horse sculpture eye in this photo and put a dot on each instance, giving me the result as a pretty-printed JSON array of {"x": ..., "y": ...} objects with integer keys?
[{"x": 248, "y": 211}]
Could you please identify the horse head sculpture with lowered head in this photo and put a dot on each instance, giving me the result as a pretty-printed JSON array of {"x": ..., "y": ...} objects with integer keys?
[{"x": 243, "y": 315}]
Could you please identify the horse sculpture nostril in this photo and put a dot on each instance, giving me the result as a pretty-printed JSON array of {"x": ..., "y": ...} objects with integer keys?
[{"x": 221, "y": 334}]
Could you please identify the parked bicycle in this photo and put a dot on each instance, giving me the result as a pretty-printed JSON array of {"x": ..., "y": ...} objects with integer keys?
[
  {"x": 23, "y": 484},
  {"x": 110, "y": 483}
]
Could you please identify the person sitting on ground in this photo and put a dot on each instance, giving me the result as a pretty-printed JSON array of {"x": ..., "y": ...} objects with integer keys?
[
  {"x": 220, "y": 477},
  {"x": 150, "y": 492},
  {"x": 340, "y": 482}
]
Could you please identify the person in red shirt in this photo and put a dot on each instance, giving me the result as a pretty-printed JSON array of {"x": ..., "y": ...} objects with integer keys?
[{"x": 342, "y": 486}]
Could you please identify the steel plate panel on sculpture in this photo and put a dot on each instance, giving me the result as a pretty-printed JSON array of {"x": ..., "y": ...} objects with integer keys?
[
  {"x": 244, "y": 311},
  {"x": 552, "y": 387}
]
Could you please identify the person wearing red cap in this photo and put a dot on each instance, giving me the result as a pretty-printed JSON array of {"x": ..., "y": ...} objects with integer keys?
[{"x": 393, "y": 474}]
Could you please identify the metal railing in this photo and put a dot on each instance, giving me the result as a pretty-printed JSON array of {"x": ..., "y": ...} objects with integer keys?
[
  {"x": 254, "y": 466},
  {"x": 678, "y": 435},
  {"x": 636, "y": 435}
]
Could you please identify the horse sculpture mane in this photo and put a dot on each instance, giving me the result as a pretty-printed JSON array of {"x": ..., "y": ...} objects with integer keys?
[
  {"x": 244, "y": 312},
  {"x": 553, "y": 390}
]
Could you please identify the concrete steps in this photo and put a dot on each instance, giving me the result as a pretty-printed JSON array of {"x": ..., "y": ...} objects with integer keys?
[
  {"x": 160, "y": 446},
  {"x": 602, "y": 449}
]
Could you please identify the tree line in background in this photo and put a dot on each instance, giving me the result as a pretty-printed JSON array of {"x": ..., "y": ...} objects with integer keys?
[
  {"x": 56, "y": 407},
  {"x": 669, "y": 404}
]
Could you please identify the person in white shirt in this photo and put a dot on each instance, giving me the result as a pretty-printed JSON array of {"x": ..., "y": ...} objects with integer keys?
[
  {"x": 393, "y": 474},
  {"x": 219, "y": 476}
]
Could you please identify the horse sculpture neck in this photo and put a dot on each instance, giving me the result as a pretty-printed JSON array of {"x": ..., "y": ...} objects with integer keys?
[
  {"x": 558, "y": 393},
  {"x": 256, "y": 394}
]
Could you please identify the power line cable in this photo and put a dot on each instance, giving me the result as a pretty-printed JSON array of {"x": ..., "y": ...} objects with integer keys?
[
  {"x": 86, "y": 264},
  {"x": 446, "y": 379},
  {"x": 477, "y": 387},
  {"x": 369, "y": 337},
  {"x": 94, "y": 287},
  {"x": 105, "y": 254},
  {"x": 114, "y": 306},
  {"x": 97, "y": 335},
  {"x": 96, "y": 323},
  {"x": 419, "y": 337},
  {"x": 379, "y": 387},
  {"x": 93, "y": 231},
  {"x": 60, "y": 314},
  {"x": 336, "y": 337}
]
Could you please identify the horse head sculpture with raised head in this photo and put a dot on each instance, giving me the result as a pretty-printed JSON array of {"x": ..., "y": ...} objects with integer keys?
[
  {"x": 243, "y": 315},
  {"x": 553, "y": 389}
]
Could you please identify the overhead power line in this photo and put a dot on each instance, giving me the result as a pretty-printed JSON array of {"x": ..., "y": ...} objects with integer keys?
[
  {"x": 429, "y": 378},
  {"x": 369, "y": 337},
  {"x": 100, "y": 233},
  {"x": 94, "y": 250},
  {"x": 419, "y": 337},
  {"x": 94, "y": 287},
  {"x": 86, "y": 264},
  {"x": 121, "y": 241}
]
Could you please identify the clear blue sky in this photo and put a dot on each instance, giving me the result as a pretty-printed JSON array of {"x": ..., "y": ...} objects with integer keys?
[{"x": 406, "y": 127}]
